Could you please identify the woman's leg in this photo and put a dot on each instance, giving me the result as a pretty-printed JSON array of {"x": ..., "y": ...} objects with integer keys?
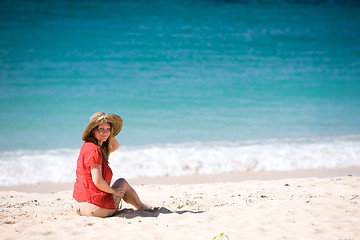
[{"x": 130, "y": 195}]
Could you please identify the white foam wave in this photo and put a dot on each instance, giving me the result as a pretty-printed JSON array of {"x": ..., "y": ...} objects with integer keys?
[{"x": 31, "y": 167}]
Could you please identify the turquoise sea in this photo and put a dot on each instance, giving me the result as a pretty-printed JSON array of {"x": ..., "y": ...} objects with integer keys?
[{"x": 203, "y": 86}]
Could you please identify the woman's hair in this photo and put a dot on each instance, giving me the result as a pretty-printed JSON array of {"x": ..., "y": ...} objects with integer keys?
[{"x": 105, "y": 147}]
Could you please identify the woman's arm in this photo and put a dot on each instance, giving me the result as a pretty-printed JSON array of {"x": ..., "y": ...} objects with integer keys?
[
  {"x": 101, "y": 184},
  {"x": 114, "y": 145}
]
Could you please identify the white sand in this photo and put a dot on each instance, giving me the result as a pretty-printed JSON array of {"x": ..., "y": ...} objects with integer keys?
[{"x": 291, "y": 208}]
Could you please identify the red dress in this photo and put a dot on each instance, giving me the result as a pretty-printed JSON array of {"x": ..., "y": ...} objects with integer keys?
[{"x": 84, "y": 188}]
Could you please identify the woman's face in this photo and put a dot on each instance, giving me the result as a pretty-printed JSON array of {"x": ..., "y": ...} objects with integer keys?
[{"x": 102, "y": 132}]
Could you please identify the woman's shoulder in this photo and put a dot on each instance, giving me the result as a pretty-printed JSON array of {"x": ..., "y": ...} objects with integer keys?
[
  {"x": 90, "y": 150},
  {"x": 89, "y": 145}
]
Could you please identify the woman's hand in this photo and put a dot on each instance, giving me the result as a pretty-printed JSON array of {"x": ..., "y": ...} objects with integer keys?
[
  {"x": 119, "y": 192},
  {"x": 101, "y": 184},
  {"x": 113, "y": 143}
]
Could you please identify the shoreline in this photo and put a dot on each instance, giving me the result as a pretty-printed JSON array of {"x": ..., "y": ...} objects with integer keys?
[{"x": 200, "y": 178}]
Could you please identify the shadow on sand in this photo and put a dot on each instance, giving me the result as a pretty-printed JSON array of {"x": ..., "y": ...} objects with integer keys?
[{"x": 131, "y": 213}]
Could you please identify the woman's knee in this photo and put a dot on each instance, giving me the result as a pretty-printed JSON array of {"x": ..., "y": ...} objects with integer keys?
[{"x": 121, "y": 183}]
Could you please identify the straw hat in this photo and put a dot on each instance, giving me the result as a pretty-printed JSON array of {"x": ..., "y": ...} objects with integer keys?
[{"x": 99, "y": 117}]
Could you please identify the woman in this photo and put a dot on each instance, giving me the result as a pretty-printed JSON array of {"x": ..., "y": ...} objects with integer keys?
[{"x": 92, "y": 191}]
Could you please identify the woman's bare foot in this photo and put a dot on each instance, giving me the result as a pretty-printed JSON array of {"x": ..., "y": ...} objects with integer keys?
[{"x": 146, "y": 207}]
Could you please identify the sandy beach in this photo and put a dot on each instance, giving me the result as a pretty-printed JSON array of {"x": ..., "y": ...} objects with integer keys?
[
  {"x": 311, "y": 204},
  {"x": 234, "y": 119}
]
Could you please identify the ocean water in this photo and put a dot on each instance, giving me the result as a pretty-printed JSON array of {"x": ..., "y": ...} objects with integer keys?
[{"x": 203, "y": 86}]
